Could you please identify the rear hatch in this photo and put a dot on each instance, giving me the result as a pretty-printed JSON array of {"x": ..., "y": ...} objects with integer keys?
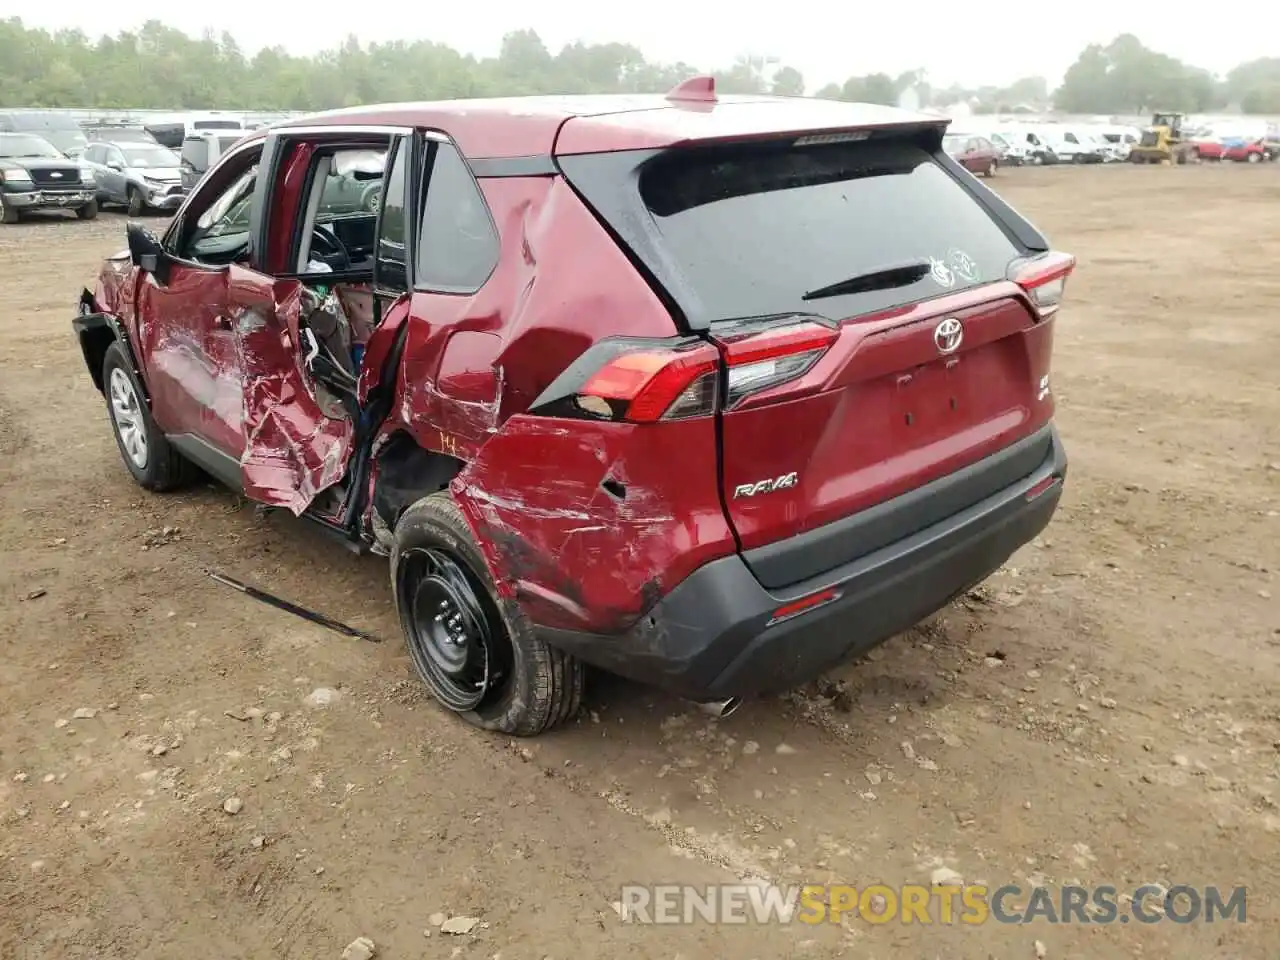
[{"x": 871, "y": 337}]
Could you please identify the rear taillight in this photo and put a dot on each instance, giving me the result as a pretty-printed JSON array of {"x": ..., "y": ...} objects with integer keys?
[
  {"x": 1045, "y": 280},
  {"x": 763, "y": 360},
  {"x": 644, "y": 382}
]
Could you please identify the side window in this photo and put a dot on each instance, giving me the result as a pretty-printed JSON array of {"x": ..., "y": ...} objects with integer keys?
[
  {"x": 115, "y": 156},
  {"x": 390, "y": 270},
  {"x": 221, "y": 233},
  {"x": 457, "y": 242},
  {"x": 352, "y": 183},
  {"x": 93, "y": 154},
  {"x": 1071, "y": 138}
]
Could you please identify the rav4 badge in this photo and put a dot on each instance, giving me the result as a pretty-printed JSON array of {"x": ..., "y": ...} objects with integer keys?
[{"x": 772, "y": 485}]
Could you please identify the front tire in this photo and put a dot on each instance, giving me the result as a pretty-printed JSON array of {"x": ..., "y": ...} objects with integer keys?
[
  {"x": 1254, "y": 157},
  {"x": 477, "y": 653},
  {"x": 9, "y": 214},
  {"x": 147, "y": 454},
  {"x": 89, "y": 211},
  {"x": 137, "y": 205}
]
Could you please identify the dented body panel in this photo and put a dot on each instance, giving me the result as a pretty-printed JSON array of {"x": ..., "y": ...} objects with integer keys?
[
  {"x": 588, "y": 528},
  {"x": 471, "y": 363}
]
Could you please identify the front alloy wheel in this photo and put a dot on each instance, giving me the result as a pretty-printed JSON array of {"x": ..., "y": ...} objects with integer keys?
[
  {"x": 146, "y": 451},
  {"x": 126, "y": 415}
]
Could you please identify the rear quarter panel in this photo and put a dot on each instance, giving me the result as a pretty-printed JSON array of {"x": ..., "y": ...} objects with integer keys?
[{"x": 576, "y": 555}]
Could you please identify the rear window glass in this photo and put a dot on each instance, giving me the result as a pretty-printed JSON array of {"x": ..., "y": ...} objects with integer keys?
[
  {"x": 457, "y": 245},
  {"x": 752, "y": 230}
]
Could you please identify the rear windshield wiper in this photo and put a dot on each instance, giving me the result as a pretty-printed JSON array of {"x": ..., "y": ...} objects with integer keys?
[{"x": 882, "y": 278}]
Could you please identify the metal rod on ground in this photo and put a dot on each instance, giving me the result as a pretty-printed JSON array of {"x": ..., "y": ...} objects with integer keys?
[{"x": 273, "y": 601}]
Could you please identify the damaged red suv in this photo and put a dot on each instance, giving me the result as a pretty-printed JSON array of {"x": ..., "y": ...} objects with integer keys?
[{"x": 713, "y": 393}]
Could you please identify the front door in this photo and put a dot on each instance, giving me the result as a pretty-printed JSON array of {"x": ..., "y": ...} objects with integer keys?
[
  {"x": 298, "y": 373},
  {"x": 185, "y": 320}
]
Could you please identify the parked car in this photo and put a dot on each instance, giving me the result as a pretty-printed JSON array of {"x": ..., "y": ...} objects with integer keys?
[
  {"x": 60, "y": 129},
  {"x": 1248, "y": 151},
  {"x": 976, "y": 154},
  {"x": 200, "y": 151},
  {"x": 119, "y": 134},
  {"x": 141, "y": 176},
  {"x": 35, "y": 176},
  {"x": 714, "y": 398},
  {"x": 1206, "y": 146}
]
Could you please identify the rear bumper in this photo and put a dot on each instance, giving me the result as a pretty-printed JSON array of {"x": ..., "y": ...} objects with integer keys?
[{"x": 712, "y": 635}]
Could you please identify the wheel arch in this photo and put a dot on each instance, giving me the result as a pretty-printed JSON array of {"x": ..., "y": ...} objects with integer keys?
[
  {"x": 405, "y": 472},
  {"x": 96, "y": 332}
]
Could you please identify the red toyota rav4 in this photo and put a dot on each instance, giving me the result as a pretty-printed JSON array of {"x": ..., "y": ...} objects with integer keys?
[{"x": 710, "y": 392}]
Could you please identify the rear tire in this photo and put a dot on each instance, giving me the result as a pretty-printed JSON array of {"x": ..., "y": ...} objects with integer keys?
[
  {"x": 147, "y": 454},
  {"x": 454, "y": 622},
  {"x": 89, "y": 211}
]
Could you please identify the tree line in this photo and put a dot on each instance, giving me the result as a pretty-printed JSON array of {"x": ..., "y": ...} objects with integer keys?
[{"x": 159, "y": 67}]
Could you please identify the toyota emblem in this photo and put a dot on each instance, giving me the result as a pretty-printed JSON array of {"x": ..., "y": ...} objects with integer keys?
[{"x": 948, "y": 334}]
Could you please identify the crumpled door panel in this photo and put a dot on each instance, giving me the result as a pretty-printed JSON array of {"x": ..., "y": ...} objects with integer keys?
[{"x": 292, "y": 450}]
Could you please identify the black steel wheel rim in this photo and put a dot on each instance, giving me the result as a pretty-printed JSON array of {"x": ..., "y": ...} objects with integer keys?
[{"x": 455, "y": 635}]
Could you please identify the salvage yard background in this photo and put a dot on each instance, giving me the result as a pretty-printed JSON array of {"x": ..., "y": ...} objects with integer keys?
[{"x": 1103, "y": 711}]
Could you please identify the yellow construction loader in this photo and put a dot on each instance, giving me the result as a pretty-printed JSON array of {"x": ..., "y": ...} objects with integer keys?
[{"x": 1162, "y": 142}]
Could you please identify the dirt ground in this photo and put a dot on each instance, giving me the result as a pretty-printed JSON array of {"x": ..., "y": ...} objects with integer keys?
[{"x": 1102, "y": 711}]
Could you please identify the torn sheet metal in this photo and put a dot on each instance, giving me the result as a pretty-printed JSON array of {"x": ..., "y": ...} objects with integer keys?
[
  {"x": 592, "y": 557},
  {"x": 292, "y": 450}
]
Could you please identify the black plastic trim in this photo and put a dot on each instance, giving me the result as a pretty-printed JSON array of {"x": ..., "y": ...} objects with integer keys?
[
  {"x": 786, "y": 562},
  {"x": 87, "y": 324},
  {"x": 264, "y": 190},
  {"x": 542, "y": 165},
  {"x": 221, "y": 466},
  {"x": 1017, "y": 227}
]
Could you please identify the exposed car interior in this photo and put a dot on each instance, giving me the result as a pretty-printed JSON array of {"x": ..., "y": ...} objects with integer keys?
[{"x": 332, "y": 255}]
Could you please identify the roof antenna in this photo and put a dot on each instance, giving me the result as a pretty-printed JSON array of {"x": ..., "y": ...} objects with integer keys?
[{"x": 694, "y": 90}]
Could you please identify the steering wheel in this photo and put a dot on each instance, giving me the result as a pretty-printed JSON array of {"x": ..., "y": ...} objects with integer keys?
[{"x": 327, "y": 247}]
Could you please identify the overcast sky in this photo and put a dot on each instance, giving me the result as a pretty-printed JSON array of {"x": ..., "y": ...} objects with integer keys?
[{"x": 955, "y": 40}]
